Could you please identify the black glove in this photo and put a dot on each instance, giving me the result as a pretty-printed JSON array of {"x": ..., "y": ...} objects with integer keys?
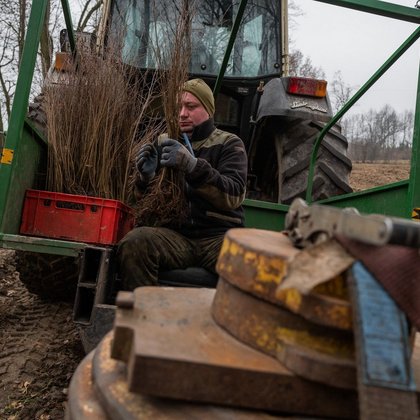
[
  {"x": 175, "y": 155},
  {"x": 146, "y": 162}
]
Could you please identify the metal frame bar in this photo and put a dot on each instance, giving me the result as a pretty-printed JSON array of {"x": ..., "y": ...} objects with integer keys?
[
  {"x": 415, "y": 157},
  {"x": 20, "y": 102},
  {"x": 229, "y": 47},
  {"x": 413, "y": 200},
  {"x": 41, "y": 245},
  {"x": 381, "y": 8},
  {"x": 19, "y": 110},
  {"x": 69, "y": 25}
]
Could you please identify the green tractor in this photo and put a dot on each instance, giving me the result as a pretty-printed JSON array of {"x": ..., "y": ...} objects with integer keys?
[{"x": 294, "y": 144}]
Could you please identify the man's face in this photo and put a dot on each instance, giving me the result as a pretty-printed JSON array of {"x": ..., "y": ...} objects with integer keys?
[{"x": 192, "y": 113}]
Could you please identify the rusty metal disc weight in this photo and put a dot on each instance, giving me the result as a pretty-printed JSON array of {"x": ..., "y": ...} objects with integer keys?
[{"x": 251, "y": 265}]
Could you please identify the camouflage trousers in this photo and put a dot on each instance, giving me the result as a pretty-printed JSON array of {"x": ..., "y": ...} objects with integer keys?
[{"x": 145, "y": 251}]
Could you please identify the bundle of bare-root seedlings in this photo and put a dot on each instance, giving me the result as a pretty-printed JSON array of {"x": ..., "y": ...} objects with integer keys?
[
  {"x": 101, "y": 114},
  {"x": 164, "y": 201},
  {"x": 95, "y": 117}
]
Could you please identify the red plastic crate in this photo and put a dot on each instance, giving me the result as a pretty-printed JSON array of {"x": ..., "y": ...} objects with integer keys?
[{"x": 75, "y": 217}]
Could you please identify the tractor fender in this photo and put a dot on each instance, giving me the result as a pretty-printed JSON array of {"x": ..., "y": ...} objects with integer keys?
[{"x": 276, "y": 101}]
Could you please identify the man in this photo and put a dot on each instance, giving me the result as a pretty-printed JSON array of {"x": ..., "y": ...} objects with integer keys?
[{"x": 216, "y": 180}]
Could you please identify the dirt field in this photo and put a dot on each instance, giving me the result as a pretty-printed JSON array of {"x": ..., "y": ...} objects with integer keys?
[
  {"x": 368, "y": 175},
  {"x": 39, "y": 346},
  {"x": 39, "y": 350}
]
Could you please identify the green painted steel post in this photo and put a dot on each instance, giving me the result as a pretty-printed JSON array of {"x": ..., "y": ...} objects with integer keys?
[
  {"x": 394, "y": 57},
  {"x": 69, "y": 25},
  {"x": 414, "y": 186},
  {"x": 382, "y": 8},
  {"x": 20, "y": 102},
  {"x": 232, "y": 38}
]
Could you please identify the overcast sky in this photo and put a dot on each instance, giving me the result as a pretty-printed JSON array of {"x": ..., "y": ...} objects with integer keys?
[{"x": 358, "y": 44}]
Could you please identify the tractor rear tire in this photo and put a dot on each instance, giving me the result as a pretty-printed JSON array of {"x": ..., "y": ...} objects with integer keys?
[
  {"x": 332, "y": 169},
  {"x": 51, "y": 277}
]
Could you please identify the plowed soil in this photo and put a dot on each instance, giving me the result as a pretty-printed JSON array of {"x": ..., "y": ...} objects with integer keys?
[
  {"x": 368, "y": 175},
  {"x": 39, "y": 346},
  {"x": 39, "y": 349}
]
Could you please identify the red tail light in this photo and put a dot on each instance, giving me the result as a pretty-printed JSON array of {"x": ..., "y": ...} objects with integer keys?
[{"x": 308, "y": 87}]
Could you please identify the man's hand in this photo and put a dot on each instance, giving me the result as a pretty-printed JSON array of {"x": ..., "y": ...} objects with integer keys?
[
  {"x": 146, "y": 162},
  {"x": 175, "y": 155}
]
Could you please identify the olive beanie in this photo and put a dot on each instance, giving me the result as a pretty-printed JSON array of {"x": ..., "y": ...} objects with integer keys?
[{"x": 201, "y": 90}]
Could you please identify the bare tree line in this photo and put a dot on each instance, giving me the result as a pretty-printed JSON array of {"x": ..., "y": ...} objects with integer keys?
[{"x": 380, "y": 134}]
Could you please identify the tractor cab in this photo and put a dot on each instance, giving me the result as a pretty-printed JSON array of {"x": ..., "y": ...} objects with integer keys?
[{"x": 144, "y": 30}]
